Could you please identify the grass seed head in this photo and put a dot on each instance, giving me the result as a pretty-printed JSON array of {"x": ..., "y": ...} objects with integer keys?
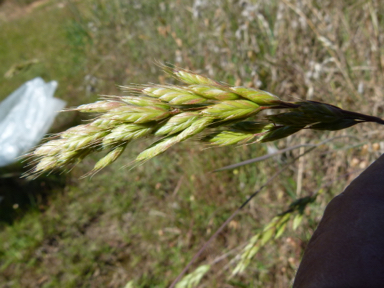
[{"x": 178, "y": 113}]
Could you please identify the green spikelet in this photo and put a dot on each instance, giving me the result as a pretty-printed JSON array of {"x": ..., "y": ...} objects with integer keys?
[
  {"x": 232, "y": 109},
  {"x": 99, "y": 106},
  {"x": 193, "y": 78},
  {"x": 84, "y": 141},
  {"x": 136, "y": 114},
  {"x": 177, "y": 123},
  {"x": 50, "y": 148},
  {"x": 104, "y": 123},
  {"x": 164, "y": 144},
  {"x": 196, "y": 127},
  {"x": 45, "y": 164},
  {"x": 80, "y": 130},
  {"x": 213, "y": 92},
  {"x": 157, "y": 148},
  {"x": 174, "y": 95},
  {"x": 125, "y": 133},
  {"x": 144, "y": 102},
  {"x": 109, "y": 158},
  {"x": 260, "y": 97},
  {"x": 226, "y": 138}
]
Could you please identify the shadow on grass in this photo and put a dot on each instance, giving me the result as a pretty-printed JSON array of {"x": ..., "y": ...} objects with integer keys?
[{"x": 19, "y": 195}]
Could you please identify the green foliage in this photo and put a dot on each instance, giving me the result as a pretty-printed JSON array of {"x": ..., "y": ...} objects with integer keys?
[{"x": 42, "y": 36}]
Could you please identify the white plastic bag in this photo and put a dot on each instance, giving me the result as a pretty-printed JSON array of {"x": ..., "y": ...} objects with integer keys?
[{"x": 25, "y": 117}]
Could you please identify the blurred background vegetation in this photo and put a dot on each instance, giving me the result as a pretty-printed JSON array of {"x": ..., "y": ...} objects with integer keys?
[{"x": 140, "y": 227}]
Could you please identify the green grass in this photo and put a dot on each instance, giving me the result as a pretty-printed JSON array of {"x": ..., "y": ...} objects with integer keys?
[
  {"x": 145, "y": 224},
  {"x": 49, "y": 35}
]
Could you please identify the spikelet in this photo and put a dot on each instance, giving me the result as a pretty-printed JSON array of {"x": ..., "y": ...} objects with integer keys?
[
  {"x": 124, "y": 133},
  {"x": 177, "y": 123},
  {"x": 108, "y": 159},
  {"x": 232, "y": 109},
  {"x": 137, "y": 114},
  {"x": 99, "y": 106},
  {"x": 213, "y": 92},
  {"x": 161, "y": 146},
  {"x": 259, "y": 97},
  {"x": 174, "y": 95}
]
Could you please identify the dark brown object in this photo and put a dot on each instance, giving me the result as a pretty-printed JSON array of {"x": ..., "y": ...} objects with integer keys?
[{"x": 347, "y": 248}]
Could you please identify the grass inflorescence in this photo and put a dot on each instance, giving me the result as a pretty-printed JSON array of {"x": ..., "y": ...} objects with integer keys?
[{"x": 176, "y": 113}]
